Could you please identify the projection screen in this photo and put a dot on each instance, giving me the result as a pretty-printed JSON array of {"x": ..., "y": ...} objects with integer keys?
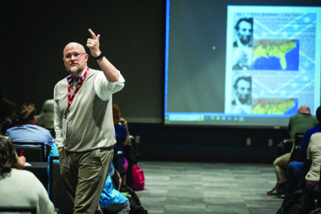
[{"x": 240, "y": 65}]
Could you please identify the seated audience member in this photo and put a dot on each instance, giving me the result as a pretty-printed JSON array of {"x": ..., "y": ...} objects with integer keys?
[
  {"x": 298, "y": 123},
  {"x": 7, "y": 114},
  {"x": 314, "y": 154},
  {"x": 20, "y": 187},
  {"x": 27, "y": 130},
  {"x": 111, "y": 200},
  {"x": 294, "y": 170},
  {"x": 121, "y": 128},
  {"x": 21, "y": 160},
  {"x": 46, "y": 117},
  {"x": 53, "y": 152},
  {"x": 301, "y": 122},
  {"x": 123, "y": 140}
]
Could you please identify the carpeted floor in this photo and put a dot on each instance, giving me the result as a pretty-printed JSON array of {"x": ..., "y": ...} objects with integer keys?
[{"x": 184, "y": 188}]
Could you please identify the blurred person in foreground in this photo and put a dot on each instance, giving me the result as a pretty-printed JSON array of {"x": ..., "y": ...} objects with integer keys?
[{"x": 20, "y": 187}]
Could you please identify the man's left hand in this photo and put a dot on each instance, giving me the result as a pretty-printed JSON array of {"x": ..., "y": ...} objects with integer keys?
[{"x": 93, "y": 44}]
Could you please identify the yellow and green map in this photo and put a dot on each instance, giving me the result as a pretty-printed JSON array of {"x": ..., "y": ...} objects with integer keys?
[
  {"x": 272, "y": 106},
  {"x": 271, "y": 54}
]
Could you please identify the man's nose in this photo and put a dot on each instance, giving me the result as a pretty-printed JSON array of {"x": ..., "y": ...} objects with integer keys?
[{"x": 72, "y": 57}]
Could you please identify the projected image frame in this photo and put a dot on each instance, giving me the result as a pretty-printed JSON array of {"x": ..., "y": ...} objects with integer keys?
[{"x": 280, "y": 55}]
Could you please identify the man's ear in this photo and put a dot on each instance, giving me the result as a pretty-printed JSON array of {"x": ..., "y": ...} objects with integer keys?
[{"x": 34, "y": 119}]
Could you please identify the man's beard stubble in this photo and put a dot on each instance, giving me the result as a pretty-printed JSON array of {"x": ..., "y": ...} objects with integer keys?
[{"x": 74, "y": 70}]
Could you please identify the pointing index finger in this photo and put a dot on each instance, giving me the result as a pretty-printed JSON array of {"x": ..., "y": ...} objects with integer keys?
[{"x": 93, "y": 35}]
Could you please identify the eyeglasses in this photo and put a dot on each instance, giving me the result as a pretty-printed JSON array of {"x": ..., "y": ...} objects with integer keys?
[{"x": 76, "y": 55}]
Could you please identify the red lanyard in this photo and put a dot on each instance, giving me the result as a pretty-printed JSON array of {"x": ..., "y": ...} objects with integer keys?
[{"x": 80, "y": 82}]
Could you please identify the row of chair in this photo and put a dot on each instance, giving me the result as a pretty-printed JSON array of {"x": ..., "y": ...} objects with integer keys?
[
  {"x": 32, "y": 210},
  {"x": 286, "y": 145},
  {"x": 33, "y": 151},
  {"x": 38, "y": 152}
]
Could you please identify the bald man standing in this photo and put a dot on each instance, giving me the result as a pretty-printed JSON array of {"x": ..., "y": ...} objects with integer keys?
[{"x": 84, "y": 126}]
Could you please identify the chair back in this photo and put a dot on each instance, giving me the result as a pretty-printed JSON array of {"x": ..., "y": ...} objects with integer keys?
[
  {"x": 298, "y": 138},
  {"x": 34, "y": 152},
  {"x": 57, "y": 191},
  {"x": 32, "y": 210}
]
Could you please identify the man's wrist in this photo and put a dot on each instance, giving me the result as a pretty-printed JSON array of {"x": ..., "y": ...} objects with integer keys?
[{"x": 101, "y": 55}]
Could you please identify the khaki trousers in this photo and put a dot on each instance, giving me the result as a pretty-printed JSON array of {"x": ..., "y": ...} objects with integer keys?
[
  {"x": 84, "y": 175},
  {"x": 280, "y": 165}
]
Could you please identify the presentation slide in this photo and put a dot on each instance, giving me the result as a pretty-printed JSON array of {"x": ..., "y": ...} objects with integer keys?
[{"x": 240, "y": 65}]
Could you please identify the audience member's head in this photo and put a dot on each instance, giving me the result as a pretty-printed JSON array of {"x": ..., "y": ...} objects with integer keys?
[
  {"x": 8, "y": 156},
  {"x": 46, "y": 117},
  {"x": 27, "y": 114},
  {"x": 318, "y": 114},
  {"x": 7, "y": 112},
  {"x": 8, "y": 109},
  {"x": 116, "y": 114},
  {"x": 304, "y": 109}
]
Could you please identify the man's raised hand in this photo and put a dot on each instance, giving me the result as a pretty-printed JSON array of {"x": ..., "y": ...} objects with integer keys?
[{"x": 93, "y": 44}]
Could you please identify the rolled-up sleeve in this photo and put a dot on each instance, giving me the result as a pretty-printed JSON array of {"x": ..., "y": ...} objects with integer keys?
[{"x": 105, "y": 89}]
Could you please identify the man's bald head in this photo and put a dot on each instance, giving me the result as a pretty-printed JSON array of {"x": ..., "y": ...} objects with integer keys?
[
  {"x": 304, "y": 109},
  {"x": 74, "y": 45}
]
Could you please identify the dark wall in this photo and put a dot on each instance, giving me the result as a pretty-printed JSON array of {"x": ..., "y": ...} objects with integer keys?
[
  {"x": 132, "y": 37},
  {"x": 217, "y": 144}
]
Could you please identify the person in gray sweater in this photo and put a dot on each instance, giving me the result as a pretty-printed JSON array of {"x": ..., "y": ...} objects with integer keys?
[{"x": 84, "y": 126}]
